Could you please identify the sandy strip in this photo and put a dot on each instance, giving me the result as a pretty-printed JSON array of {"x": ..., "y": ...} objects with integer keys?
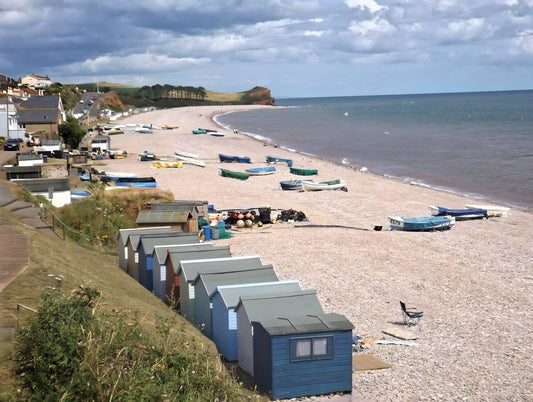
[{"x": 473, "y": 282}]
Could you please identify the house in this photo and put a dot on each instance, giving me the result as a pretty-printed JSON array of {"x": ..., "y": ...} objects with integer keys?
[
  {"x": 172, "y": 264},
  {"x": 189, "y": 270},
  {"x": 30, "y": 160},
  {"x": 101, "y": 143},
  {"x": 146, "y": 251},
  {"x": 35, "y": 81},
  {"x": 206, "y": 283},
  {"x": 41, "y": 116},
  {"x": 303, "y": 355},
  {"x": 57, "y": 191},
  {"x": 48, "y": 147},
  {"x": 159, "y": 269},
  {"x": 224, "y": 299},
  {"x": 255, "y": 308},
  {"x": 9, "y": 125},
  {"x": 179, "y": 219},
  {"x": 23, "y": 172},
  {"x": 123, "y": 238},
  {"x": 132, "y": 248}
]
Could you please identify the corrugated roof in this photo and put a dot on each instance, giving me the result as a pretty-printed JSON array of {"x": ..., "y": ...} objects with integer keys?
[
  {"x": 50, "y": 142},
  {"x": 210, "y": 281},
  {"x": 304, "y": 324},
  {"x": 199, "y": 252},
  {"x": 182, "y": 205},
  {"x": 23, "y": 169},
  {"x": 162, "y": 251},
  {"x": 268, "y": 306},
  {"x": 30, "y": 157},
  {"x": 163, "y": 216},
  {"x": 192, "y": 268},
  {"x": 125, "y": 233},
  {"x": 231, "y": 294},
  {"x": 135, "y": 239},
  {"x": 42, "y": 185},
  {"x": 149, "y": 242}
]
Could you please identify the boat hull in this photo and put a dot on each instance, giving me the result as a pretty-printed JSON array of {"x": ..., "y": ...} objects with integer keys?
[
  {"x": 492, "y": 210},
  {"x": 291, "y": 184},
  {"x": 421, "y": 224},
  {"x": 303, "y": 172},
  {"x": 230, "y": 159},
  {"x": 275, "y": 159},
  {"x": 234, "y": 175},
  {"x": 183, "y": 154},
  {"x": 326, "y": 185},
  {"x": 136, "y": 182},
  {"x": 261, "y": 171},
  {"x": 459, "y": 214}
]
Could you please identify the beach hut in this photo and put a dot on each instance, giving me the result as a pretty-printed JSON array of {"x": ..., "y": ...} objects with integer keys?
[
  {"x": 223, "y": 318},
  {"x": 23, "y": 172},
  {"x": 57, "y": 191},
  {"x": 146, "y": 250},
  {"x": 159, "y": 269},
  {"x": 132, "y": 245},
  {"x": 176, "y": 219},
  {"x": 197, "y": 208},
  {"x": 206, "y": 283},
  {"x": 123, "y": 235},
  {"x": 256, "y": 308},
  {"x": 172, "y": 264},
  {"x": 303, "y": 356},
  {"x": 189, "y": 270}
]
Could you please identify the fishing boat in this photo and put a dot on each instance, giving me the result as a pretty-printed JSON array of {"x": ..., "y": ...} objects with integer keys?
[
  {"x": 143, "y": 130},
  {"x": 113, "y": 176},
  {"x": 293, "y": 184},
  {"x": 170, "y": 126},
  {"x": 460, "y": 214},
  {"x": 207, "y": 130},
  {"x": 183, "y": 154},
  {"x": 135, "y": 182},
  {"x": 191, "y": 161},
  {"x": 275, "y": 159},
  {"x": 115, "y": 131},
  {"x": 230, "y": 158},
  {"x": 76, "y": 195},
  {"x": 303, "y": 172},
  {"x": 199, "y": 131},
  {"x": 216, "y": 134},
  {"x": 312, "y": 185},
  {"x": 421, "y": 224},
  {"x": 234, "y": 175},
  {"x": 260, "y": 171},
  {"x": 492, "y": 210},
  {"x": 148, "y": 157}
]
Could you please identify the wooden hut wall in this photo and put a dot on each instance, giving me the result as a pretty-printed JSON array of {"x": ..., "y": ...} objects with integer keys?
[{"x": 275, "y": 372}]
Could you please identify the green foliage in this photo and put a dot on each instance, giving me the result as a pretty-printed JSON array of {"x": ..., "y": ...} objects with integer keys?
[
  {"x": 71, "y": 132},
  {"x": 69, "y": 94},
  {"x": 75, "y": 350}
]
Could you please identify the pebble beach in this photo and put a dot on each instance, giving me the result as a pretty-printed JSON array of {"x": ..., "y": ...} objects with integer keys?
[{"x": 473, "y": 282}]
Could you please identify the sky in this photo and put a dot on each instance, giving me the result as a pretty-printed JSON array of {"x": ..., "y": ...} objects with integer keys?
[{"x": 296, "y": 48}]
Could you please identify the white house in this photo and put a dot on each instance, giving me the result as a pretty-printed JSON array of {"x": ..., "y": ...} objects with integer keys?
[
  {"x": 35, "y": 81},
  {"x": 9, "y": 126},
  {"x": 57, "y": 191}
]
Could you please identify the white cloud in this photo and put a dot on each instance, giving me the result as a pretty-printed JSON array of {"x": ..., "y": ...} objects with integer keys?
[{"x": 372, "y": 5}]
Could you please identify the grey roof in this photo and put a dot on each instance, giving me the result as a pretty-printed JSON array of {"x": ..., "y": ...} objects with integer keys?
[
  {"x": 181, "y": 205},
  {"x": 170, "y": 236},
  {"x": 210, "y": 281},
  {"x": 149, "y": 242},
  {"x": 197, "y": 253},
  {"x": 41, "y": 102},
  {"x": 42, "y": 185},
  {"x": 50, "y": 142},
  {"x": 125, "y": 233},
  {"x": 23, "y": 169},
  {"x": 101, "y": 138},
  {"x": 38, "y": 116},
  {"x": 162, "y": 251},
  {"x": 30, "y": 157},
  {"x": 268, "y": 306},
  {"x": 303, "y": 324},
  {"x": 164, "y": 216},
  {"x": 191, "y": 268},
  {"x": 231, "y": 294}
]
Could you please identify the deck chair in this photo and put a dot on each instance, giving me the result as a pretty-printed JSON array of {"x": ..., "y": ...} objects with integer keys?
[{"x": 410, "y": 315}]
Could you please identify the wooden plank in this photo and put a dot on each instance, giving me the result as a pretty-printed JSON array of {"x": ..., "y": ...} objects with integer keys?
[{"x": 367, "y": 362}]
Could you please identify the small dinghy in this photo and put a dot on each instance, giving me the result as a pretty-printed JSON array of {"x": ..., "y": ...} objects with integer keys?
[
  {"x": 303, "y": 172},
  {"x": 260, "y": 171},
  {"x": 230, "y": 158},
  {"x": 324, "y": 185},
  {"x": 275, "y": 159},
  {"x": 76, "y": 195},
  {"x": 234, "y": 175},
  {"x": 421, "y": 224},
  {"x": 460, "y": 214},
  {"x": 135, "y": 182},
  {"x": 492, "y": 210},
  {"x": 295, "y": 184},
  {"x": 183, "y": 154},
  {"x": 199, "y": 131}
]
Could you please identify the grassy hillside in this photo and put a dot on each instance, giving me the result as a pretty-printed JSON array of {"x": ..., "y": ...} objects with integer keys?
[{"x": 51, "y": 258}]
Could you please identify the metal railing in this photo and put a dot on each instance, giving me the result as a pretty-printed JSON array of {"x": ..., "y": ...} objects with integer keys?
[{"x": 61, "y": 229}]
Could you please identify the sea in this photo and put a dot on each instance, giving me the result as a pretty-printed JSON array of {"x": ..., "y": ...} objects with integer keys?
[{"x": 478, "y": 144}]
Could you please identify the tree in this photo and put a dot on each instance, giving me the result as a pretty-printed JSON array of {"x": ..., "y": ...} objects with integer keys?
[{"x": 71, "y": 132}]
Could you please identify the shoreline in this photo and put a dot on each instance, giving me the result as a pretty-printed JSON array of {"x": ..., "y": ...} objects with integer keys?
[{"x": 468, "y": 280}]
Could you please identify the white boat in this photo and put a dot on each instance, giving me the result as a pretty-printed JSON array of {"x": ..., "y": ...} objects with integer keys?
[
  {"x": 492, "y": 210},
  {"x": 183, "y": 154},
  {"x": 261, "y": 171},
  {"x": 421, "y": 224},
  {"x": 191, "y": 161},
  {"x": 324, "y": 185}
]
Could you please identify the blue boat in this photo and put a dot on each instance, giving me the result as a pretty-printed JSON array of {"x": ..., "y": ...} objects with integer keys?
[
  {"x": 76, "y": 195},
  {"x": 295, "y": 184},
  {"x": 460, "y": 214},
  {"x": 238, "y": 159},
  {"x": 260, "y": 171},
  {"x": 421, "y": 224},
  {"x": 275, "y": 159},
  {"x": 135, "y": 182}
]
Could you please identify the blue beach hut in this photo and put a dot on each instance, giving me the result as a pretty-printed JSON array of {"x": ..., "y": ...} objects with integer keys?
[
  {"x": 303, "y": 356},
  {"x": 123, "y": 236},
  {"x": 205, "y": 285},
  {"x": 223, "y": 318}
]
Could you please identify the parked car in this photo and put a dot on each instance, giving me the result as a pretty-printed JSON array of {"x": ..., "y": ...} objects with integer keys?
[{"x": 12, "y": 144}]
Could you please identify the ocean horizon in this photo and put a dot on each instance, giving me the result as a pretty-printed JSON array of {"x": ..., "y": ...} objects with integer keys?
[{"x": 479, "y": 144}]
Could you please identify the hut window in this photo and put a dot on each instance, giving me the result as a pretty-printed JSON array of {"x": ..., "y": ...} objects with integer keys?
[{"x": 316, "y": 348}]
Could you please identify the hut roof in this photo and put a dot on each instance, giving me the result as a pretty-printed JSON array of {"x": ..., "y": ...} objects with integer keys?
[
  {"x": 150, "y": 241},
  {"x": 164, "y": 216},
  {"x": 231, "y": 294},
  {"x": 30, "y": 157},
  {"x": 125, "y": 233},
  {"x": 162, "y": 251},
  {"x": 210, "y": 281},
  {"x": 23, "y": 169},
  {"x": 290, "y": 303},
  {"x": 135, "y": 238},
  {"x": 42, "y": 185},
  {"x": 191, "y": 268},
  {"x": 196, "y": 252},
  {"x": 302, "y": 324}
]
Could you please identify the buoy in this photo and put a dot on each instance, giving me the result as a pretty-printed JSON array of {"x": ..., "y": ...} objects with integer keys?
[
  {"x": 259, "y": 224},
  {"x": 241, "y": 216},
  {"x": 240, "y": 223},
  {"x": 248, "y": 223}
]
